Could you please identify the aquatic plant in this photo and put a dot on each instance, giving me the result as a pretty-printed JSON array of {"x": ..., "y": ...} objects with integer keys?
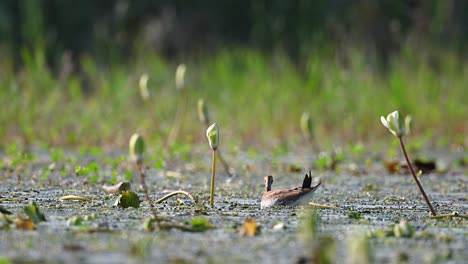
[
  {"x": 396, "y": 125},
  {"x": 136, "y": 149},
  {"x": 204, "y": 117},
  {"x": 212, "y": 133},
  {"x": 180, "y": 85},
  {"x": 143, "y": 83}
]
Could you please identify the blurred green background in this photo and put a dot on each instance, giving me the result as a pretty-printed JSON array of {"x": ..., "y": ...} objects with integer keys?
[{"x": 69, "y": 70}]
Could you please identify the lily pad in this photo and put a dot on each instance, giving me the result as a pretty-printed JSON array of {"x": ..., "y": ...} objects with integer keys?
[
  {"x": 200, "y": 224},
  {"x": 34, "y": 214},
  {"x": 127, "y": 199}
]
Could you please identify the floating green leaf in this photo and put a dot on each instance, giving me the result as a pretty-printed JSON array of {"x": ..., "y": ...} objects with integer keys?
[
  {"x": 200, "y": 224},
  {"x": 75, "y": 221},
  {"x": 34, "y": 214},
  {"x": 354, "y": 215},
  {"x": 128, "y": 199}
]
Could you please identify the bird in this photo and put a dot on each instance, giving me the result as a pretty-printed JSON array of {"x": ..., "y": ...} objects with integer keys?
[{"x": 294, "y": 196}]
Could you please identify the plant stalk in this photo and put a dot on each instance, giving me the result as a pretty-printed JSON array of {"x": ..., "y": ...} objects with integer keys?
[
  {"x": 143, "y": 186},
  {"x": 213, "y": 173},
  {"x": 174, "y": 132},
  {"x": 433, "y": 212}
]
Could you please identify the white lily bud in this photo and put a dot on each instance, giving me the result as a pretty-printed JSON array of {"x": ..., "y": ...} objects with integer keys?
[
  {"x": 136, "y": 147},
  {"x": 203, "y": 111},
  {"x": 212, "y": 133},
  {"x": 180, "y": 77},
  {"x": 144, "y": 92},
  {"x": 395, "y": 123}
]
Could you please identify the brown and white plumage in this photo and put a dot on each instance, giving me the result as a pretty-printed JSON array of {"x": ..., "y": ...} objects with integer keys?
[{"x": 294, "y": 196}]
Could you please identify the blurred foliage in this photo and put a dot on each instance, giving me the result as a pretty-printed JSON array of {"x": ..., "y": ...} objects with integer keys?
[
  {"x": 113, "y": 29},
  {"x": 70, "y": 70}
]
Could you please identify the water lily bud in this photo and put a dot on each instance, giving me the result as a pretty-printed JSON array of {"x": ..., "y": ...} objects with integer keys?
[
  {"x": 395, "y": 123},
  {"x": 180, "y": 76},
  {"x": 212, "y": 133},
  {"x": 137, "y": 147},
  {"x": 409, "y": 123},
  {"x": 144, "y": 92},
  {"x": 306, "y": 125},
  {"x": 203, "y": 111}
]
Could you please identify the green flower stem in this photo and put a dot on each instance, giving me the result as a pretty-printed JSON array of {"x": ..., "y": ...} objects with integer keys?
[
  {"x": 213, "y": 173},
  {"x": 416, "y": 178},
  {"x": 143, "y": 186},
  {"x": 224, "y": 163},
  {"x": 175, "y": 128}
]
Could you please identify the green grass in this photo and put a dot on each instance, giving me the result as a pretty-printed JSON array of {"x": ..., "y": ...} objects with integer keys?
[{"x": 254, "y": 98}]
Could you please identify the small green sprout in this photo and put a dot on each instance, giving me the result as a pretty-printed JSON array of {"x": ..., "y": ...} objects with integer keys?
[
  {"x": 395, "y": 123},
  {"x": 212, "y": 133}
]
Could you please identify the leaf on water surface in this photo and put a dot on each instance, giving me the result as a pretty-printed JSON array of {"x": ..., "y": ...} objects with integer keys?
[
  {"x": 370, "y": 187},
  {"x": 200, "y": 224},
  {"x": 354, "y": 215},
  {"x": 74, "y": 198},
  {"x": 25, "y": 224},
  {"x": 75, "y": 221},
  {"x": 34, "y": 214},
  {"x": 392, "y": 166},
  {"x": 249, "y": 228},
  {"x": 295, "y": 168},
  {"x": 117, "y": 188},
  {"x": 128, "y": 199}
]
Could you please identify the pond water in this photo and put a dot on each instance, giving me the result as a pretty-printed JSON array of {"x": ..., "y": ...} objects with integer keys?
[{"x": 116, "y": 235}]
